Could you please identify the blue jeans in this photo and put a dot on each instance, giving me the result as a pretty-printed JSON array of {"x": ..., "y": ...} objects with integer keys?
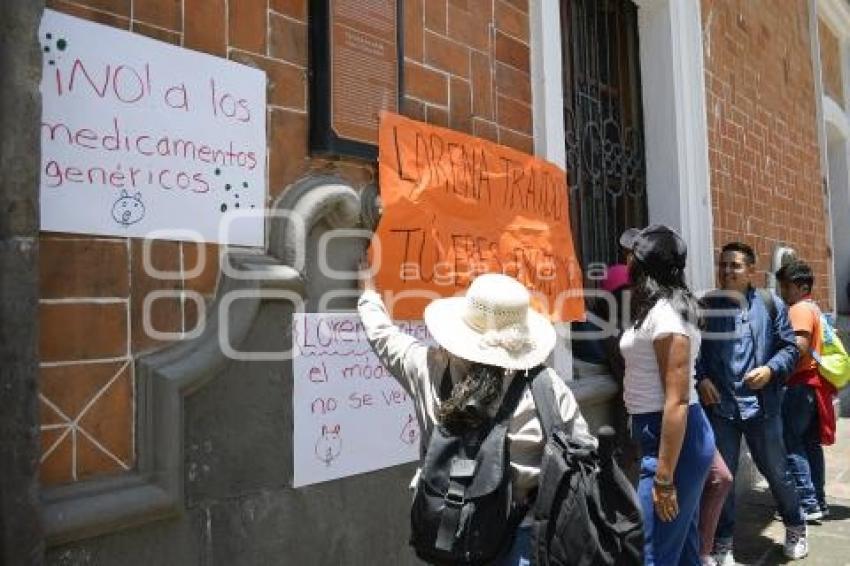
[
  {"x": 676, "y": 542},
  {"x": 802, "y": 441},
  {"x": 520, "y": 554},
  {"x": 764, "y": 438}
]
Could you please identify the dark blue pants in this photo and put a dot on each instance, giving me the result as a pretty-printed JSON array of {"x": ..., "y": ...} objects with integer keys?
[
  {"x": 676, "y": 542},
  {"x": 764, "y": 438},
  {"x": 520, "y": 553},
  {"x": 802, "y": 441}
]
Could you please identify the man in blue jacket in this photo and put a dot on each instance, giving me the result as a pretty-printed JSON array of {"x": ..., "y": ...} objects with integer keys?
[{"x": 748, "y": 349}]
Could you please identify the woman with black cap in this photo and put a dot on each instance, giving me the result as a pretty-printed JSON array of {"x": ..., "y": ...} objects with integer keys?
[{"x": 660, "y": 348}]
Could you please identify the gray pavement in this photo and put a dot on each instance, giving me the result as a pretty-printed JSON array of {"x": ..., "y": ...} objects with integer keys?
[{"x": 758, "y": 538}]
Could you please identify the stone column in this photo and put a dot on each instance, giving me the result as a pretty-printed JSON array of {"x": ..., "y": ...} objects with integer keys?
[{"x": 21, "y": 535}]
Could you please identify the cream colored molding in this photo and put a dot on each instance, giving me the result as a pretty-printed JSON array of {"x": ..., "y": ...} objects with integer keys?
[
  {"x": 673, "y": 81},
  {"x": 836, "y": 15},
  {"x": 547, "y": 94},
  {"x": 834, "y": 115}
]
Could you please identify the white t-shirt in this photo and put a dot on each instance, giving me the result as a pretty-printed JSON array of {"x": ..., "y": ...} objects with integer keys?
[{"x": 643, "y": 390}]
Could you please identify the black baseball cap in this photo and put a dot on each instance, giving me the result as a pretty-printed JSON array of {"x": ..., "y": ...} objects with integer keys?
[{"x": 657, "y": 245}]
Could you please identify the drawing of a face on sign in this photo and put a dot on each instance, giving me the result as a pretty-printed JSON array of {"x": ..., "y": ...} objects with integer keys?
[
  {"x": 128, "y": 209},
  {"x": 329, "y": 445}
]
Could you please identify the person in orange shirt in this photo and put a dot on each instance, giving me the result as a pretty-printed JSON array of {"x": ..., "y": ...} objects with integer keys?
[{"x": 808, "y": 415}]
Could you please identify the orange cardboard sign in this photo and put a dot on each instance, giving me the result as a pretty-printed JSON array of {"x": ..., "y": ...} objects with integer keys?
[{"x": 456, "y": 206}]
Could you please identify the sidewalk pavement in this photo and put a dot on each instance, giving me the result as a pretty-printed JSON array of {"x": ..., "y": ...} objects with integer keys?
[{"x": 759, "y": 538}]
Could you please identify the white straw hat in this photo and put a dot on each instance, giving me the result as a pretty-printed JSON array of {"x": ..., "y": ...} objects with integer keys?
[{"x": 492, "y": 324}]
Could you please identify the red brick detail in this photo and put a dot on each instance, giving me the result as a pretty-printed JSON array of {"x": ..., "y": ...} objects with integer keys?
[
  {"x": 511, "y": 20},
  {"x": 286, "y": 83},
  {"x": 414, "y": 14},
  {"x": 485, "y": 129},
  {"x": 413, "y": 109},
  {"x": 205, "y": 30},
  {"x": 117, "y": 16},
  {"x": 437, "y": 116},
  {"x": 77, "y": 268},
  {"x": 764, "y": 159},
  {"x": 172, "y": 37},
  {"x": 162, "y": 13},
  {"x": 58, "y": 466},
  {"x": 460, "y": 107},
  {"x": 205, "y": 258},
  {"x": 426, "y": 84},
  {"x": 512, "y": 52},
  {"x": 516, "y": 140},
  {"x": 293, "y": 8},
  {"x": 287, "y": 148},
  {"x": 435, "y": 15},
  {"x": 288, "y": 40},
  {"x": 165, "y": 314},
  {"x": 470, "y": 27},
  {"x": 81, "y": 401},
  {"x": 109, "y": 422},
  {"x": 447, "y": 55},
  {"x": 515, "y": 115},
  {"x": 82, "y": 331},
  {"x": 513, "y": 83},
  {"x": 482, "y": 85},
  {"x": 521, "y": 5},
  {"x": 247, "y": 25}
]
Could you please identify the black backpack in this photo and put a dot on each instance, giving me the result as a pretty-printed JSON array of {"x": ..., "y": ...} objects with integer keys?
[
  {"x": 463, "y": 511},
  {"x": 586, "y": 512}
]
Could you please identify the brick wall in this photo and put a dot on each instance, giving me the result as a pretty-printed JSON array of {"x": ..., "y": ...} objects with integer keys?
[
  {"x": 830, "y": 60},
  {"x": 766, "y": 185},
  {"x": 466, "y": 67}
]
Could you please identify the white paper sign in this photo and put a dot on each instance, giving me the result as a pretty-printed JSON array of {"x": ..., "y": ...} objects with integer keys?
[
  {"x": 139, "y": 136},
  {"x": 351, "y": 416}
]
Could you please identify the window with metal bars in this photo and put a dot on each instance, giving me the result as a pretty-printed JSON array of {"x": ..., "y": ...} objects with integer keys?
[{"x": 603, "y": 125}]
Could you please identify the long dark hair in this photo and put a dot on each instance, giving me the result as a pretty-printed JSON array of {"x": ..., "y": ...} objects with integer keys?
[
  {"x": 468, "y": 406},
  {"x": 654, "y": 282}
]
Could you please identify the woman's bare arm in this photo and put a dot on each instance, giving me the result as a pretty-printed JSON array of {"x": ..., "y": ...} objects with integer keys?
[{"x": 673, "y": 355}]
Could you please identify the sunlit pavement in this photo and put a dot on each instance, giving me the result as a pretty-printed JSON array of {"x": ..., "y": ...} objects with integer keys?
[{"x": 759, "y": 537}]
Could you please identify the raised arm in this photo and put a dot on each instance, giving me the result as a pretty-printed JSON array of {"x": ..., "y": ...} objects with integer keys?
[{"x": 399, "y": 352}]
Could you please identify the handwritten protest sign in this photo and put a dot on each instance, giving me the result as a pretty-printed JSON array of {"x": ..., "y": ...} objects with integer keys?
[
  {"x": 456, "y": 206},
  {"x": 351, "y": 416},
  {"x": 138, "y": 135}
]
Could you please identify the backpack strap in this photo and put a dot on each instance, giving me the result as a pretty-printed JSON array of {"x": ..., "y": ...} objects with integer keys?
[
  {"x": 767, "y": 298},
  {"x": 462, "y": 471},
  {"x": 545, "y": 402},
  {"x": 512, "y": 397}
]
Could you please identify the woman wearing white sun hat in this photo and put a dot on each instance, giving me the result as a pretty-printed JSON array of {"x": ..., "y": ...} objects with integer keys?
[{"x": 485, "y": 340}]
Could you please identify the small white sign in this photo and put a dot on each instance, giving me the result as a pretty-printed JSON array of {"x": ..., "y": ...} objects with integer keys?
[
  {"x": 139, "y": 136},
  {"x": 351, "y": 415}
]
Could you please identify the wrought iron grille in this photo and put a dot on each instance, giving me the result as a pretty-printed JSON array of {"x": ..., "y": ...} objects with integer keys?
[{"x": 603, "y": 124}]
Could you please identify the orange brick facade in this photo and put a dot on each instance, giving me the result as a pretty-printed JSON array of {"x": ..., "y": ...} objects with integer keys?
[
  {"x": 466, "y": 67},
  {"x": 766, "y": 179}
]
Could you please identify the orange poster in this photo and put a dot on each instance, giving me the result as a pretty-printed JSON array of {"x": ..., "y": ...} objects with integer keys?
[{"x": 456, "y": 206}]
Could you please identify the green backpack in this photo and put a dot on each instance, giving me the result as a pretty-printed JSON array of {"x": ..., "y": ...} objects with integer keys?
[{"x": 833, "y": 361}]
